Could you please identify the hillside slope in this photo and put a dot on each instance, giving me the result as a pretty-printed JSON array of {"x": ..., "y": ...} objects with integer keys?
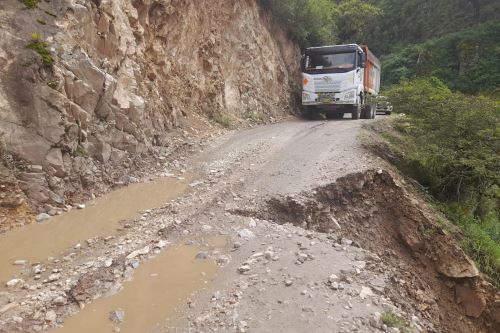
[{"x": 86, "y": 86}]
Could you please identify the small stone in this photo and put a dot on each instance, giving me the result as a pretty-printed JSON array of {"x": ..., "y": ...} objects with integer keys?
[
  {"x": 206, "y": 228},
  {"x": 78, "y": 246},
  {"x": 54, "y": 277},
  {"x": 365, "y": 292},
  {"x": 145, "y": 250},
  {"x": 108, "y": 262},
  {"x": 42, "y": 217},
  {"x": 268, "y": 255},
  {"x": 20, "y": 262},
  {"x": 288, "y": 283},
  {"x": 51, "y": 316},
  {"x": 117, "y": 316},
  {"x": 80, "y": 206},
  {"x": 236, "y": 245},
  {"x": 246, "y": 234},
  {"x": 202, "y": 255},
  {"x": 59, "y": 300},
  {"x": 161, "y": 244},
  {"x": 334, "y": 286},
  {"x": 242, "y": 326},
  {"x": 333, "y": 278},
  {"x": 17, "y": 319},
  {"x": 252, "y": 223},
  {"x": 244, "y": 268},
  {"x": 346, "y": 241},
  {"x": 14, "y": 282},
  {"x": 302, "y": 257},
  {"x": 375, "y": 320}
]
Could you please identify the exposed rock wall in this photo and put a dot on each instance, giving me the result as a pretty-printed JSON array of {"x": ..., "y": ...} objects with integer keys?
[{"x": 129, "y": 76}]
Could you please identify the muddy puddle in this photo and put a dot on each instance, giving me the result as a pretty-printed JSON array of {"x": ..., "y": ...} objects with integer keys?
[
  {"x": 101, "y": 217},
  {"x": 150, "y": 298}
]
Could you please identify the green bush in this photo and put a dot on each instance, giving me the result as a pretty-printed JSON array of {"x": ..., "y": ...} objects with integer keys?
[
  {"x": 481, "y": 239},
  {"x": 324, "y": 22},
  {"x": 30, "y": 4},
  {"x": 450, "y": 143},
  {"x": 311, "y": 22},
  {"x": 41, "y": 48},
  {"x": 466, "y": 61},
  {"x": 391, "y": 319},
  {"x": 456, "y": 137}
]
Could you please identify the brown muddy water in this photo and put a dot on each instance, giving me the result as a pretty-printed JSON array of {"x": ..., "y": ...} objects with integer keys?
[
  {"x": 101, "y": 217},
  {"x": 151, "y": 297}
]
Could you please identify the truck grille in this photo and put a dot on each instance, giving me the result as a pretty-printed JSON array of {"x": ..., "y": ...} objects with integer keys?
[{"x": 320, "y": 85}]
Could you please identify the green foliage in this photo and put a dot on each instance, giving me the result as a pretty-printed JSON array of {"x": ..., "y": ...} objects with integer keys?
[
  {"x": 311, "y": 22},
  {"x": 325, "y": 22},
  {"x": 223, "y": 119},
  {"x": 406, "y": 22},
  {"x": 30, "y": 4},
  {"x": 450, "y": 143},
  {"x": 467, "y": 61},
  {"x": 393, "y": 320},
  {"x": 41, "y": 48},
  {"x": 457, "y": 137},
  {"x": 481, "y": 241},
  {"x": 354, "y": 18}
]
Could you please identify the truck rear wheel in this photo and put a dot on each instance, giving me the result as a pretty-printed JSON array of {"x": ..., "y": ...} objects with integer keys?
[
  {"x": 373, "y": 111},
  {"x": 356, "y": 112},
  {"x": 368, "y": 112}
]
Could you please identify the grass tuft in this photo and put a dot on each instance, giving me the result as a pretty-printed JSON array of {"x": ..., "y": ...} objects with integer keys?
[
  {"x": 393, "y": 320},
  {"x": 41, "y": 48},
  {"x": 30, "y": 4},
  {"x": 223, "y": 120}
]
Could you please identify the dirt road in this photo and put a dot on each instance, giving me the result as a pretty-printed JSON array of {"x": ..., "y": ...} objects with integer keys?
[{"x": 252, "y": 245}]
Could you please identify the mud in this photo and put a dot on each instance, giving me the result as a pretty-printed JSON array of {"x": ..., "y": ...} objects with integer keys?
[
  {"x": 159, "y": 286},
  {"x": 375, "y": 211},
  {"x": 36, "y": 242}
]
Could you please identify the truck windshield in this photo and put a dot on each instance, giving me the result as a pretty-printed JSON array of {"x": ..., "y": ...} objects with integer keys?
[{"x": 339, "y": 62}]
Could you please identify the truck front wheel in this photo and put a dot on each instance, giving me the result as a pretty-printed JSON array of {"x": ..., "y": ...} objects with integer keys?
[{"x": 356, "y": 112}]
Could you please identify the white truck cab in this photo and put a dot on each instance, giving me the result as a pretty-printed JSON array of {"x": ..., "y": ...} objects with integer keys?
[{"x": 338, "y": 79}]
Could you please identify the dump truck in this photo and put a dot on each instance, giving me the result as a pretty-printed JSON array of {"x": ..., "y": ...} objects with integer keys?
[{"x": 340, "y": 79}]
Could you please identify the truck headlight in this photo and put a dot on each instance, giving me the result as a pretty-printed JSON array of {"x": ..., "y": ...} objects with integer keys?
[{"x": 349, "y": 95}]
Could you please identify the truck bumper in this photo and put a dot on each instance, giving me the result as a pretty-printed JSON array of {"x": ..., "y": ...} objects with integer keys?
[{"x": 343, "y": 98}]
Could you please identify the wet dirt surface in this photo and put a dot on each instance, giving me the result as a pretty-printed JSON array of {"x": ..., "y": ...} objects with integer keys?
[
  {"x": 157, "y": 288},
  {"x": 37, "y": 242},
  {"x": 271, "y": 269}
]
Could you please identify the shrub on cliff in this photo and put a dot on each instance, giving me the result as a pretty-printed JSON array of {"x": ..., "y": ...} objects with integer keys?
[
  {"x": 456, "y": 137},
  {"x": 311, "y": 22},
  {"x": 450, "y": 143}
]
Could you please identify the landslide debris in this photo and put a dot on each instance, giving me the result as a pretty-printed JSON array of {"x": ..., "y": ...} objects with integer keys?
[{"x": 430, "y": 270}]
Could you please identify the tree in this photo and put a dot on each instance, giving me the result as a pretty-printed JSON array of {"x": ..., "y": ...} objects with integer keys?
[{"x": 353, "y": 18}]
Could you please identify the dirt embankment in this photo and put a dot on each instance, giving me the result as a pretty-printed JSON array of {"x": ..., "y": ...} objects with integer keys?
[
  {"x": 430, "y": 272},
  {"x": 127, "y": 79}
]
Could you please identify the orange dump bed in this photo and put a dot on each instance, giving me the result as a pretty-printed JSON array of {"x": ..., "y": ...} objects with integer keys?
[{"x": 372, "y": 72}]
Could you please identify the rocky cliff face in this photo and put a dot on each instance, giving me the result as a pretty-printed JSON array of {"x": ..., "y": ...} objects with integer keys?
[{"x": 86, "y": 86}]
